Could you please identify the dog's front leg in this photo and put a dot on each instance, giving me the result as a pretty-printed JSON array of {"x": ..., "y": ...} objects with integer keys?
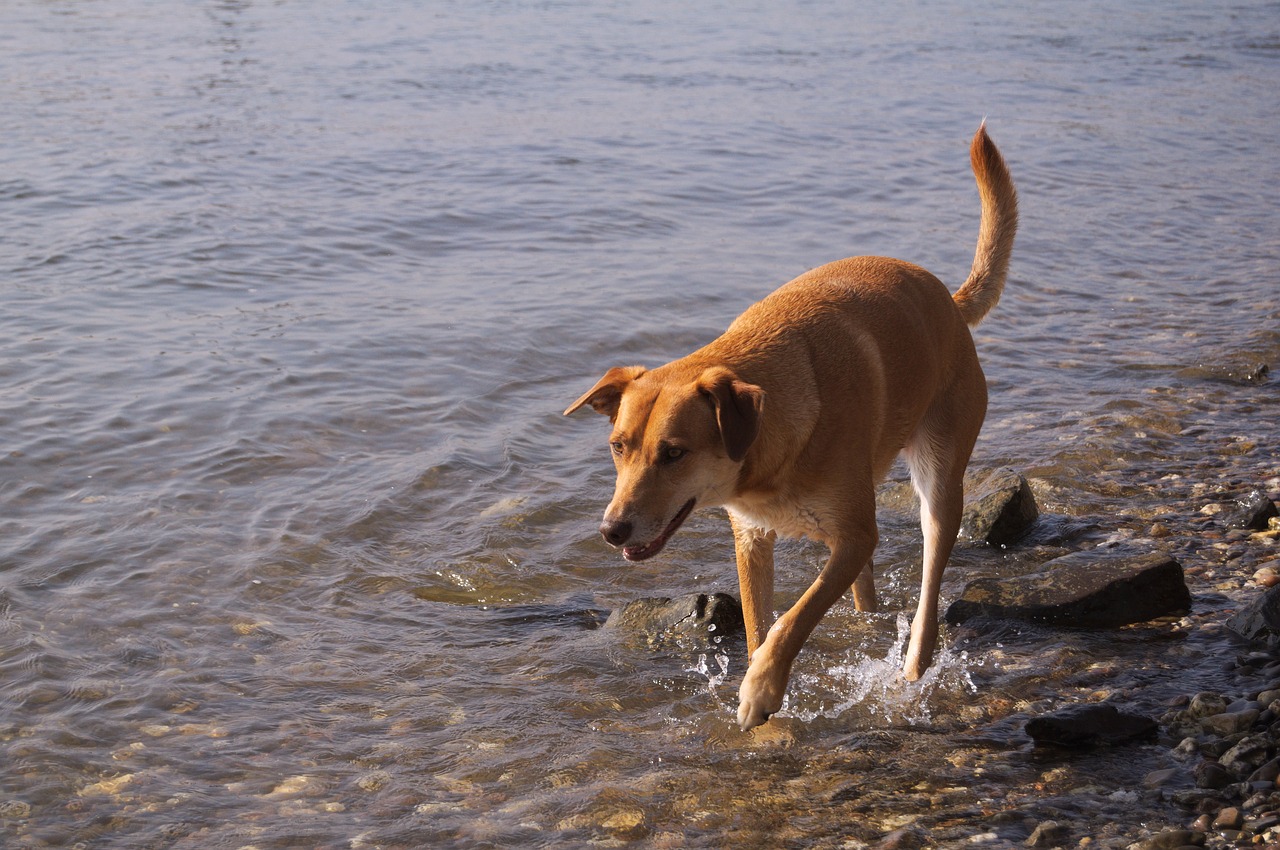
[
  {"x": 754, "y": 549},
  {"x": 765, "y": 684}
]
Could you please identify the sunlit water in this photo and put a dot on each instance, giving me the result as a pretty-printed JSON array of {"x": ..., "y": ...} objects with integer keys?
[{"x": 295, "y": 547}]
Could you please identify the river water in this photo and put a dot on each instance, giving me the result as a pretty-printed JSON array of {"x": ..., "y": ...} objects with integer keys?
[{"x": 296, "y": 549}]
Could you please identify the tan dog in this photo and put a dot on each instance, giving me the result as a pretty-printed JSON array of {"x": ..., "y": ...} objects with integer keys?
[{"x": 791, "y": 418}]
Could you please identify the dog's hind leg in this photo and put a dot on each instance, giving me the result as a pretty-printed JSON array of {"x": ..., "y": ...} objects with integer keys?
[{"x": 937, "y": 457}]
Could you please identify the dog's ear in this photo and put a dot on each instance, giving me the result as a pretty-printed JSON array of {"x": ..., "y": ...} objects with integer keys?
[
  {"x": 607, "y": 393},
  {"x": 737, "y": 405}
]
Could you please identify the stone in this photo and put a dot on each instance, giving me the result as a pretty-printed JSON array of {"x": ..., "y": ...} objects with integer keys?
[
  {"x": 1046, "y": 834},
  {"x": 1089, "y": 725},
  {"x": 692, "y": 614},
  {"x": 1259, "y": 621},
  {"x": 1230, "y": 723},
  {"x": 1247, "y": 755},
  {"x": 1098, "y": 588},
  {"x": 1251, "y": 511},
  {"x": 1170, "y": 839},
  {"x": 1003, "y": 512},
  {"x": 901, "y": 839},
  {"x": 1211, "y": 775},
  {"x": 1158, "y": 778},
  {"x": 1206, "y": 704},
  {"x": 1229, "y": 818}
]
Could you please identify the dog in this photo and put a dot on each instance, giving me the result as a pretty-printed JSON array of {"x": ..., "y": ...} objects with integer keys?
[{"x": 791, "y": 418}]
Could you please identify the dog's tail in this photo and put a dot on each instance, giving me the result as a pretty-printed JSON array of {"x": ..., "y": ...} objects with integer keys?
[{"x": 995, "y": 234}]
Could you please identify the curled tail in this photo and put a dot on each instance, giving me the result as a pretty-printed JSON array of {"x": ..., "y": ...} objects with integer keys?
[{"x": 982, "y": 289}]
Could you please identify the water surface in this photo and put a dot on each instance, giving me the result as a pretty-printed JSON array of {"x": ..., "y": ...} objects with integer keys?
[{"x": 295, "y": 547}]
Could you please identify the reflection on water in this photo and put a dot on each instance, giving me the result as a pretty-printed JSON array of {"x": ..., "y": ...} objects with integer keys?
[{"x": 296, "y": 549}]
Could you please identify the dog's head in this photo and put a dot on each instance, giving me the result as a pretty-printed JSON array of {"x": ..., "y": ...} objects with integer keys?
[{"x": 678, "y": 440}]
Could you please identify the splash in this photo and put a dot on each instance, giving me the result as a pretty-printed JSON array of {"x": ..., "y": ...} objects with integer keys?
[{"x": 876, "y": 686}]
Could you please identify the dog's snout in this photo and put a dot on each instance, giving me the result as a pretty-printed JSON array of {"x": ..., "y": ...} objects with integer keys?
[{"x": 616, "y": 532}]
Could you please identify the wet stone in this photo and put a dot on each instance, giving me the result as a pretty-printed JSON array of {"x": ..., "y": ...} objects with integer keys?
[
  {"x": 1003, "y": 512},
  {"x": 1211, "y": 775},
  {"x": 1251, "y": 512},
  {"x": 1047, "y": 834},
  {"x": 1099, "y": 588},
  {"x": 1171, "y": 839},
  {"x": 694, "y": 614},
  {"x": 1229, "y": 818},
  {"x": 1260, "y": 619},
  {"x": 1089, "y": 725}
]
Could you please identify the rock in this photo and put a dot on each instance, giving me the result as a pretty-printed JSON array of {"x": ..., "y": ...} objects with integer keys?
[
  {"x": 1251, "y": 512},
  {"x": 1260, "y": 619},
  {"x": 901, "y": 839},
  {"x": 1087, "y": 725},
  {"x": 1092, "y": 589},
  {"x": 1206, "y": 704},
  {"x": 1158, "y": 778},
  {"x": 1211, "y": 775},
  {"x": 1229, "y": 818},
  {"x": 1230, "y": 723},
  {"x": 1170, "y": 839},
  {"x": 691, "y": 614},
  {"x": 1004, "y": 511},
  {"x": 1047, "y": 834},
  {"x": 1247, "y": 755}
]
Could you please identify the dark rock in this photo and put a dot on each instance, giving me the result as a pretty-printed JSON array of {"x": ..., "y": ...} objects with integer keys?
[
  {"x": 1003, "y": 512},
  {"x": 692, "y": 614},
  {"x": 1251, "y": 511},
  {"x": 1092, "y": 589},
  {"x": 1087, "y": 725},
  {"x": 1247, "y": 755},
  {"x": 1260, "y": 619},
  {"x": 1211, "y": 775},
  {"x": 1267, "y": 772}
]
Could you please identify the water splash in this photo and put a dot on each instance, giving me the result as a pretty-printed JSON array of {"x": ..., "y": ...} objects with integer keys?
[
  {"x": 876, "y": 685},
  {"x": 715, "y": 678}
]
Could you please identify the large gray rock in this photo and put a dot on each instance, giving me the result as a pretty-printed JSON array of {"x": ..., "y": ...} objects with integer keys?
[
  {"x": 1092, "y": 589},
  {"x": 1002, "y": 511},
  {"x": 694, "y": 614}
]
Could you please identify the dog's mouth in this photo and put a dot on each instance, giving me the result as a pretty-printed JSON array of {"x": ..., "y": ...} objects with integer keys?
[{"x": 653, "y": 547}]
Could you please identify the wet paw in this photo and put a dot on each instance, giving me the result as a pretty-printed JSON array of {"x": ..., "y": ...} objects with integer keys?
[{"x": 759, "y": 698}]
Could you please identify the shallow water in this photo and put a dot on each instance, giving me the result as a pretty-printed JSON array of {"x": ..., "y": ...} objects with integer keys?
[{"x": 295, "y": 547}]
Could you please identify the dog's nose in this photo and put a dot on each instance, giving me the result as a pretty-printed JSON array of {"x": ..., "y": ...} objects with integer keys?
[{"x": 616, "y": 533}]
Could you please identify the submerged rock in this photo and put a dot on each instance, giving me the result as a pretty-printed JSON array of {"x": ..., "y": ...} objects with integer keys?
[
  {"x": 692, "y": 614},
  {"x": 1089, "y": 725},
  {"x": 1092, "y": 589},
  {"x": 1004, "y": 511}
]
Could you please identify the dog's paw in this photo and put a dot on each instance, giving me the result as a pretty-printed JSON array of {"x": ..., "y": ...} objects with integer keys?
[{"x": 759, "y": 697}]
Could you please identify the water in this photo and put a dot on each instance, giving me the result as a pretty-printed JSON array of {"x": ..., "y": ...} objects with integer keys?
[{"x": 295, "y": 547}]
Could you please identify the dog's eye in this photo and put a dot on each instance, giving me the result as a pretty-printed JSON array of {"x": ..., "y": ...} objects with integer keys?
[
  {"x": 616, "y": 447},
  {"x": 673, "y": 453}
]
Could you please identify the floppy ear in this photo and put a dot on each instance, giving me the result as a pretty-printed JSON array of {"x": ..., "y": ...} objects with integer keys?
[
  {"x": 737, "y": 405},
  {"x": 607, "y": 393}
]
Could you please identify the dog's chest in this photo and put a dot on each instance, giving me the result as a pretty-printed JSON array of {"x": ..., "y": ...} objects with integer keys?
[{"x": 786, "y": 517}]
